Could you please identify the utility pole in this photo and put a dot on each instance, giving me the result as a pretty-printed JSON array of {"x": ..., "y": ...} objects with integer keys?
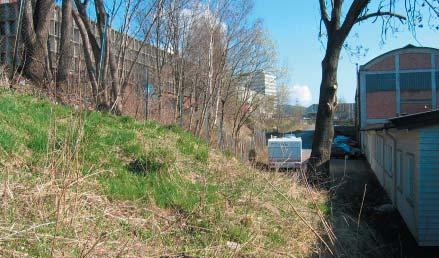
[{"x": 17, "y": 37}]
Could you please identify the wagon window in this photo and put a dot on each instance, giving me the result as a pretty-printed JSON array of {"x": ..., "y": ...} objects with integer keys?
[
  {"x": 399, "y": 175},
  {"x": 388, "y": 159},
  {"x": 410, "y": 172}
]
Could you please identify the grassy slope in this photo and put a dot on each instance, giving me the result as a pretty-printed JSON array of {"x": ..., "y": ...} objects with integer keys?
[{"x": 92, "y": 184}]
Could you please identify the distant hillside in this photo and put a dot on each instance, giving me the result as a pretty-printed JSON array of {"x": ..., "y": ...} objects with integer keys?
[
  {"x": 89, "y": 184},
  {"x": 293, "y": 110}
]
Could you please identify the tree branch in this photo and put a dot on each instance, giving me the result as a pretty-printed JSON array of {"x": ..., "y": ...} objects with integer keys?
[
  {"x": 324, "y": 13},
  {"x": 379, "y": 14},
  {"x": 352, "y": 15},
  {"x": 435, "y": 9},
  {"x": 336, "y": 13}
]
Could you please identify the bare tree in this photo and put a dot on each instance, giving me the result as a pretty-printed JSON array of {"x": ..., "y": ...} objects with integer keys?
[
  {"x": 160, "y": 40},
  {"x": 259, "y": 56},
  {"x": 119, "y": 76},
  {"x": 65, "y": 46},
  {"x": 35, "y": 31},
  {"x": 337, "y": 30},
  {"x": 281, "y": 101}
]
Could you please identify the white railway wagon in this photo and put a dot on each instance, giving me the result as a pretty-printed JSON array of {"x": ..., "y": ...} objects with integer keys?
[{"x": 285, "y": 152}]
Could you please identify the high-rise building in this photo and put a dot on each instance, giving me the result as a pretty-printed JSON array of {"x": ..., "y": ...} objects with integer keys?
[{"x": 264, "y": 83}]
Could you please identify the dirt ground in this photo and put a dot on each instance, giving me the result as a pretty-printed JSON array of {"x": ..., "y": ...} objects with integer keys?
[{"x": 349, "y": 180}]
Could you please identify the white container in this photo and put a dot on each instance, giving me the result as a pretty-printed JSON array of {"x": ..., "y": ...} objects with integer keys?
[{"x": 285, "y": 152}]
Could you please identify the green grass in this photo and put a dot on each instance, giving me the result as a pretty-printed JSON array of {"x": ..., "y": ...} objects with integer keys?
[
  {"x": 157, "y": 186},
  {"x": 109, "y": 143},
  {"x": 7, "y": 140}
]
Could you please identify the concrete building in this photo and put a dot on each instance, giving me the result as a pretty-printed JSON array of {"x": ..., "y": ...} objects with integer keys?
[
  {"x": 8, "y": 20},
  {"x": 399, "y": 132},
  {"x": 133, "y": 51},
  {"x": 8, "y": 14},
  {"x": 264, "y": 83}
]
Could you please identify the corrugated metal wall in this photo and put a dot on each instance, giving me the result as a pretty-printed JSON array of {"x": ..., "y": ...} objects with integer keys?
[
  {"x": 415, "y": 81},
  {"x": 428, "y": 187},
  {"x": 380, "y": 82}
]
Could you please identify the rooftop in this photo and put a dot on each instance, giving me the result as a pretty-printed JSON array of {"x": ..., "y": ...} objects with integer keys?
[{"x": 411, "y": 121}]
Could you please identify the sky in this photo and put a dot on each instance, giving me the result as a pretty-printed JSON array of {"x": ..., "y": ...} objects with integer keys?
[{"x": 293, "y": 25}]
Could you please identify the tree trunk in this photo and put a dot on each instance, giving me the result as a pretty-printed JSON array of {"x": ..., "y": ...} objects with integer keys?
[
  {"x": 35, "y": 35},
  {"x": 116, "y": 88},
  {"x": 324, "y": 129},
  {"x": 65, "y": 47},
  {"x": 87, "y": 56},
  {"x": 221, "y": 126}
]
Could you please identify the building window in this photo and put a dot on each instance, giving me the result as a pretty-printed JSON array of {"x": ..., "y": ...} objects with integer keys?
[
  {"x": 410, "y": 172},
  {"x": 388, "y": 159},
  {"x": 375, "y": 147},
  {"x": 76, "y": 35},
  {"x": 12, "y": 27},
  {"x": 415, "y": 92},
  {"x": 399, "y": 166},
  {"x": 52, "y": 44},
  {"x": 57, "y": 29},
  {"x": 379, "y": 150},
  {"x": 2, "y": 29}
]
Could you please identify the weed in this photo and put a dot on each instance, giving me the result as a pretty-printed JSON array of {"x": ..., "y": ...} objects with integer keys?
[
  {"x": 93, "y": 183},
  {"x": 276, "y": 238},
  {"x": 38, "y": 141},
  {"x": 237, "y": 233},
  {"x": 7, "y": 141},
  {"x": 228, "y": 153},
  {"x": 188, "y": 145}
]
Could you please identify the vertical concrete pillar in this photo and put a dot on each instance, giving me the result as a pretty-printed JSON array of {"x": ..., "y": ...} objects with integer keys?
[
  {"x": 397, "y": 88},
  {"x": 363, "y": 92}
]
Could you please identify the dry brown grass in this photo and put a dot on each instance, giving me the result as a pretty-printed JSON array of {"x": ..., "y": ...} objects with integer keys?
[
  {"x": 63, "y": 210},
  {"x": 56, "y": 205}
]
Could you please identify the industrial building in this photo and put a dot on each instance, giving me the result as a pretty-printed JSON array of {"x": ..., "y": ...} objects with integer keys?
[{"x": 399, "y": 133}]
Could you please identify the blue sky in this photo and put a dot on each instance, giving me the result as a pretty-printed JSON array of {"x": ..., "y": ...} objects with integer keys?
[{"x": 294, "y": 25}]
